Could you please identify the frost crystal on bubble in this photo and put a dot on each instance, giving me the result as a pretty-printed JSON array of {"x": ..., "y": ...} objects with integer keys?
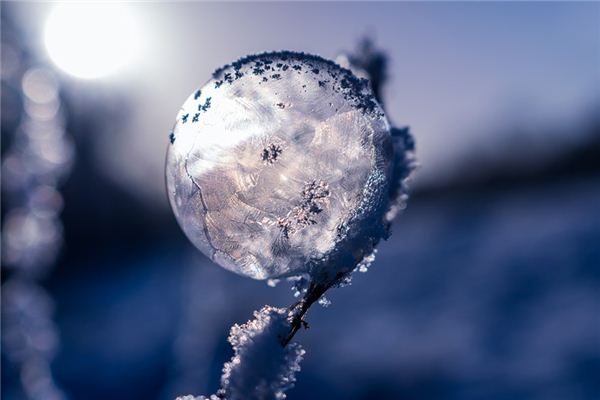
[{"x": 282, "y": 165}]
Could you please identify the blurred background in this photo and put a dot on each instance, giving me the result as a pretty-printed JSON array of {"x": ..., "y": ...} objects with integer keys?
[{"x": 488, "y": 288}]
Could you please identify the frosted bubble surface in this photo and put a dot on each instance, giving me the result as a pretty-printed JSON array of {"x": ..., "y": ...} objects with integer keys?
[{"x": 280, "y": 165}]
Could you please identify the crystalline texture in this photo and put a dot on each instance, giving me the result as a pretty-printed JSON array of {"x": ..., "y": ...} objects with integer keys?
[
  {"x": 281, "y": 165},
  {"x": 261, "y": 368}
]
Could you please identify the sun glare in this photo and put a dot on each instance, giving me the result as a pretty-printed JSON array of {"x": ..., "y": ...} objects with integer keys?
[{"x": 91, "y": 40}]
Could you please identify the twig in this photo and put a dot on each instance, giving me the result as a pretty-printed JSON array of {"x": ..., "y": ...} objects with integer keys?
[{"x": 299, "y": 309}]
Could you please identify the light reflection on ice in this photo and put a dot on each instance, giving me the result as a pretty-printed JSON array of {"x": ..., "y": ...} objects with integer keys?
[{"x": 247, "y": 146}]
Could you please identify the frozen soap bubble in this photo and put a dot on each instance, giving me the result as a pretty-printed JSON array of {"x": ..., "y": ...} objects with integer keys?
[{"x": 281, "y": 165}]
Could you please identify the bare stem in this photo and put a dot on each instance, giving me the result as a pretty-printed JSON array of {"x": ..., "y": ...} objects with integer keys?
[{"x": 299, "y": 309}]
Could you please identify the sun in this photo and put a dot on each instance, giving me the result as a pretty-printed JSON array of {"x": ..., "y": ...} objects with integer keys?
[{"x": 91, "y": 40}]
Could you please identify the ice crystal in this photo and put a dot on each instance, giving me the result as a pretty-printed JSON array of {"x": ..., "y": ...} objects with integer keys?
[
  {"x": 286, "y": 169},
  {"x": 258, "y": 343},
  {"x": 324, "y": 301},
  {"x": 366, "y": 262},
  {"x": 299, "y": 284},
  {"x": 261, "y": 368}
]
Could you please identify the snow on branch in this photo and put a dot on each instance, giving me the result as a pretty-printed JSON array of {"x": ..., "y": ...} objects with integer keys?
[{"x": 262, "y": 368}]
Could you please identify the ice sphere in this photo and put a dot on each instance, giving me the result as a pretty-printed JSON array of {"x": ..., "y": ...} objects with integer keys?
[{"x": 280, "y": 165}]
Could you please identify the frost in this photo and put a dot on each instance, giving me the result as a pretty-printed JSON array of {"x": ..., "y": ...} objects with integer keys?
[
  {"x": 288, "y": 169},
  {"x": 280, "y": 166},
  {"x": 299, "y": 284},
  {"x": 262, "y": 368},
  {"x": 190, "y": 397},
  {"x": 314, "y": 199},
  {"x": 404, "y": 163},
  {"x": 324, "y": 301},
  {"x": 273, "y": 282},
  {"x": 366, "y": 262}
]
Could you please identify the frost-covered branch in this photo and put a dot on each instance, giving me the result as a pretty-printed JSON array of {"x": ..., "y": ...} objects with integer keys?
[
  {"x": 262, "y": 368},
  {"x": 307, "y": 199}
]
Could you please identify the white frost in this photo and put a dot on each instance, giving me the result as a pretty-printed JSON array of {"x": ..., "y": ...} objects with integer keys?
[{"x": 261, "y": 368}]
